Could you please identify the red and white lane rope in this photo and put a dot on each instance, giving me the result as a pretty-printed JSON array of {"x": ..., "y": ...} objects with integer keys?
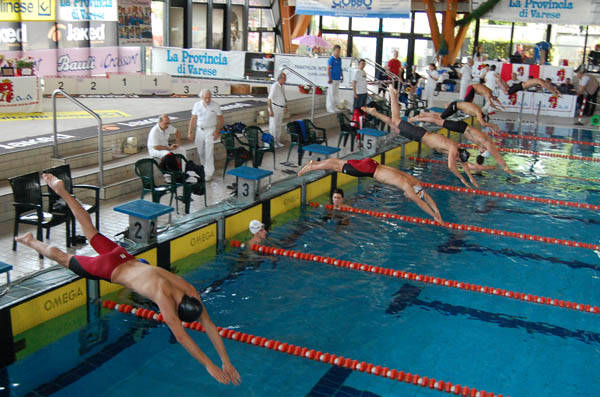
[
  {"x": 543, "y": 154},
  {"x": 469, "y": 228},
  {"x": 545, "y": 139},
  {"x": 315, "y": 355},
  {"x": 423, "y": 278}
]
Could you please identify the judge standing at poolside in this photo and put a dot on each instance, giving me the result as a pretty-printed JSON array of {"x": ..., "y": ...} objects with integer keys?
[
  {"x": 207, "y": 120},
  {"x": 277, "y": 103}
]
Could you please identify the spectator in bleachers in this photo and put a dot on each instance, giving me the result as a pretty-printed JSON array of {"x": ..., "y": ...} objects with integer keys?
[
  {"x": 207, "y": 120},
  {"x": 567, "y": 87},
  {"x": 158, "y": 139},
  {"x": 276, "y": 104},
  {"x": 514, "y": 80}
]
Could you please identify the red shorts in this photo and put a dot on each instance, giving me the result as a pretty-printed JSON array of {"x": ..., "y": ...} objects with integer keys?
[
  {"x": 111, "y": 255},
  {"x": 360, "y": 168},
  {"x": 470, "y": 95}
]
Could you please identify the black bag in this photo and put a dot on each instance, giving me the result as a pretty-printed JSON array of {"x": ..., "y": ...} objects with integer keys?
[
  {"x": 170, "y": 163},
  {"x": 197, "y": 187}
]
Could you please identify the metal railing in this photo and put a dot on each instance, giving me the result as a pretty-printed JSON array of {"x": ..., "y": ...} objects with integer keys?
[
  {"x": 91, "y": 112},
  {"x": 314, "y": 88}
]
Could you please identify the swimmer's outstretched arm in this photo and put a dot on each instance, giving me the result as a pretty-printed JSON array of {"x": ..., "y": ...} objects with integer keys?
[
  {"x": 434, "y": 207},
  {"x": 409, "y": 192},
  {"x": 468, "y": 172},
  {"x": 386, "y": 119},
  {"x": 452, "y": 167}
]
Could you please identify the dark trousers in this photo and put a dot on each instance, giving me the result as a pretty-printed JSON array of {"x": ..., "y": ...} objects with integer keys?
[{"x": 360, "y": 101}]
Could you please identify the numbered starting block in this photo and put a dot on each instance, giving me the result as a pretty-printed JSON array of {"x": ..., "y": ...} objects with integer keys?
[
  {"x": 248, "y": 181},
  {"x": 321, "y": 149},
  {"x": 142, "y": 219},
  {"x": 372, "y": 140},
  {"x": 5, "y": 268}
]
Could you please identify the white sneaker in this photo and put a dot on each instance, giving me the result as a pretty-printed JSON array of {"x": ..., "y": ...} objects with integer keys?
[{"x": 279, "y": 144}]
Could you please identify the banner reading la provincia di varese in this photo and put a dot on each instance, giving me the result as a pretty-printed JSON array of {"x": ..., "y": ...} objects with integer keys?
[
  {"x": 355, "y": 8},
  {"x": 198, "y": 63},
  {"x": 575, "y": 12}
]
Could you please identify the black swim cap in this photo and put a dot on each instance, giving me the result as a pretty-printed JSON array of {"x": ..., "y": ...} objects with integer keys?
[
  {"x": 464, "y": 155},
  {"x": 480, "y": 159},
  {"x": 189, "y": 309}
]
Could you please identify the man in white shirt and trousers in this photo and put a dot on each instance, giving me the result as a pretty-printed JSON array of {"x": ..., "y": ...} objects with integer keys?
[
  {"x": 466, "y": 77},
  {"x": 158, "y": 139},
  {"x": 277, "y": 103},
  {"x": 432, "y": 79},
  {"x": 207, "y": 120}
]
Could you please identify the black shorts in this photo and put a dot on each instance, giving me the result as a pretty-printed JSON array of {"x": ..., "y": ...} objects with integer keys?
[
  {"x": 410, "y": 131},
  {"x": 458, "y": 126},
  {"x": 450, "y": 110},
  {"x": 515, "y": 88}
]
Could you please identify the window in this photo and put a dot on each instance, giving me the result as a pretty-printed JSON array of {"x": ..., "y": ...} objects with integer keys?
[
  {"x": 422, "y": 22},
  {"x": 365, "y": 24},
  {"x": 157, "y": 21},
  {"x": 335, "y": 23},
  {"x": 264, "y": 3},
  {"x": 267, "y": 43},
  {"x": 339, "y": 39},
  {"x": 494, "y": 39},
  {"x": 260, "y": 18},
  {"x": 567, "y": 44},
  {"x": 253, "y": 41},
  {"x": 396, "y": 25},
  {"x": 199, "y": 25}
]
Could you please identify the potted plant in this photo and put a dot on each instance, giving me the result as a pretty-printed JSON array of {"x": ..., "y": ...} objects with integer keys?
[{"x": 24, "y": 67}]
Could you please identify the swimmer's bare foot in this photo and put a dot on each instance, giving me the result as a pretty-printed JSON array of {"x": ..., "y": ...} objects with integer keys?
[
  {"x": 306, "y": 168},
  {"x": 54, "y": 183},
  {"x": 25, "y": 239}
]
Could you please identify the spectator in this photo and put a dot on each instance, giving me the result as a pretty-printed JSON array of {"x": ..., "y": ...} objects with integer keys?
[
  {"x": 588, "y": 89},
  {"x": 567, "y": 87},
  {"x": 334, "y": 72},
  {"x": 359, "y": 85},
  {"x": 479, "y": 56},
  {"x": 549, "y": 81},
  {"x": 491, "y": 78},
  {"x": 158, "y": 139},
  {"x": 412, "y": 77},
  {"x": 277, "y": 104},
  {"x": 207, "y": 120},
  {"x": 395, "y": 66},
  {"x": 514, "y": 80},
  {"x": 466, "y": 77},
  {"x": 432, "y": 80}
]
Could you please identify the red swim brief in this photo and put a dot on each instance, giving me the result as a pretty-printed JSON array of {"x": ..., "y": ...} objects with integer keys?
[
  {"x": 111, "y": 255},
  {"x": 360, "y": 168}
]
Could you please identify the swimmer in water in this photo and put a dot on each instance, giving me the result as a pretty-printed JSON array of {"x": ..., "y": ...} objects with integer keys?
[
  {"x": 177, "y": 299},
  {"x": 368, "y": 167}
]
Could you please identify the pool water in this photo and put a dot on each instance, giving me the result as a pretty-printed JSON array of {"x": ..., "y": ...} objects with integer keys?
[{"x": 505, "y": 346}]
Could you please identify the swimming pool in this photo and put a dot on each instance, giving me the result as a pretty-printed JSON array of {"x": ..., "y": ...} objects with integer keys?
[{"x": 488, "y": 342}]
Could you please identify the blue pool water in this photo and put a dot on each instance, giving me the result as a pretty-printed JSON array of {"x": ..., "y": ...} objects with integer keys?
[{"x": 490, "y": 343}]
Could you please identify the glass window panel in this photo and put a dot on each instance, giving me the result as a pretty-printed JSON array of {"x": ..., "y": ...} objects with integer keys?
[
  {"x": 341, "y": 23},
  {"x": 157, "y": 21},
  {"x": 396, "y": 25},
  {"x": 219, "y": 1},
  {"x": 494, "y": 39},
  {"x": 242, "y": 2},
  {"x": 390, "y": 44},
  {"x": 365, "y": 47},
  {"x": 365, "y": 24},
  {"x": 254, "y": 18},
  {"x": 424, "y": 55},
  {"x": 217, "y": 28},
  {"x": 340, "y": 39},
  {"x": 253, "y": 41},
  {"x": 267, "y": 18},
  {"x": 268, "y": 42},
  {"x": 567, "y": 44},
  {"x": 199, "y": 25},
  {"x": 422, "y": 22},
  {"x": 237, "y": 28},
  {"x": 266, "y": 3}
]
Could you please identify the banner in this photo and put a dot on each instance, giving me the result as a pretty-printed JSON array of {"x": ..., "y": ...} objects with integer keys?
[
  {"x": 550, "y": 105},
  {"x": 88, "y": 10},
  {"x": 314, "y": 69},
  {"x": 19, "y": 94},
  {"x": 568, "y": 12},
  {"x": 355, "y": 8},
  {"x": 558, "y": 74},
  {"x": 134, "y": 22},
  {"x": 27, "y": 10},
  {"x": 198, "y": 63},
  {"x": 259, "y": 65}
]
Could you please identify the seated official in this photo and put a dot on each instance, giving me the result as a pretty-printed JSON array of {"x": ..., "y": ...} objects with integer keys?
[
  {"x": 158, "y": 139},
  {"x": 567, "y": 87}
]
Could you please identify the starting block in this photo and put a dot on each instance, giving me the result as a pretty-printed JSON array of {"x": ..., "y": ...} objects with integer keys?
[
  {"x": 248, "y": 181},
  {"x": 372, "y": 139},
  {"x": 5, "y": 268},
  {"x": 321, "y": 149},
  {"x": 142, "y": 219}
]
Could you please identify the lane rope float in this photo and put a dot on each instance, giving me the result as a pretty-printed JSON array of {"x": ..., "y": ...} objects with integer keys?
[
  {"x": 543, "y": 154},
  {"x": 424, "y": 160},
  {"x": 424, "y": 278},
  {"x": 511, "y": 196},
  {"x": 545, "y": 139},
  {"x": 315, "y": 355},
  {"x": 468, "y": 228}
]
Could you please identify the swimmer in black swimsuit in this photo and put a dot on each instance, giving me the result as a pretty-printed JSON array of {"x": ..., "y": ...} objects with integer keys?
[
  {"x": 466, "y": 107},
  {"x": 435, "y": 141},
  {"x": 177, "y": 299},
  {"x": 485, "y": 92},
  {"x": 368, "y": 167},
  {"x": 525, "y": 85}
]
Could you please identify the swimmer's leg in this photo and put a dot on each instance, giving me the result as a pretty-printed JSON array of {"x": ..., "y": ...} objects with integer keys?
[
  {"x": 428, "y": 117},
  {"x": 50, "y": 252}
]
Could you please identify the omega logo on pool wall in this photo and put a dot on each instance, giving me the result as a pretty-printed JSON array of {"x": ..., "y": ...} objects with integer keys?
[{"x": 62, "y": 299}]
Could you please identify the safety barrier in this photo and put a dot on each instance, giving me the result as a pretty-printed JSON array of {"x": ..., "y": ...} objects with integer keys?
[
  {"x": 315, "y": 355},
  {"x": 544, "y": 154},
  {"x": 544, "y": 139},
  {"x": 469, "y": 228},
  {"x": 522, "y": 296}
]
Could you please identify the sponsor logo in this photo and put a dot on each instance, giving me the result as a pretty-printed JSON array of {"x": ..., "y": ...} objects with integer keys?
[
  {"x": 12, "y": 35},
  {"x": 64, "y": 64},
  {"x": 76, "y": 33},
  {"x": 561, "y": 74},
  {"x": 553, "y": 100},
  {"x": 521, "y": 71},
  {"x": 513, "y": 99},
  {"x": 62, "y": 299},
  {"x": 355, "y": 4},
  {"x": 6, "y": 91}
]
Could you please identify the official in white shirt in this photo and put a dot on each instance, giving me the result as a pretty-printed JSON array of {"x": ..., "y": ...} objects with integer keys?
[
  {"x": 207, "y": 120},
  {"x": 158, "y": 139},
  {"x": 359, "y": 85},
  {"x": 466, "y": 77},
  {"x": 277, "y": 103},
  {"x": 432, "y": 80}
]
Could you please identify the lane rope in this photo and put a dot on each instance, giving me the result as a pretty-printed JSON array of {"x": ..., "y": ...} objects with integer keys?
[
  {"x": 424, "y": 278},
  {"x": 539, "y": 138},
  {"x": 458, "y": 226},
  {"x": 315, "y": 355},
  {"x": 424, "y": 160},
  {"x": 543, "y": 154}
]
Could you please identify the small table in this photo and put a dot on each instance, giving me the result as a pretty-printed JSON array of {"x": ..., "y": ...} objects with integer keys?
[
  {"x": 142, "y": 218},
  {"x": 372, "y": 139},
  {"x": 321, "y": 149},
  {"x": 5, "y": 268},
  {"x": 247, "y": 188}
]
